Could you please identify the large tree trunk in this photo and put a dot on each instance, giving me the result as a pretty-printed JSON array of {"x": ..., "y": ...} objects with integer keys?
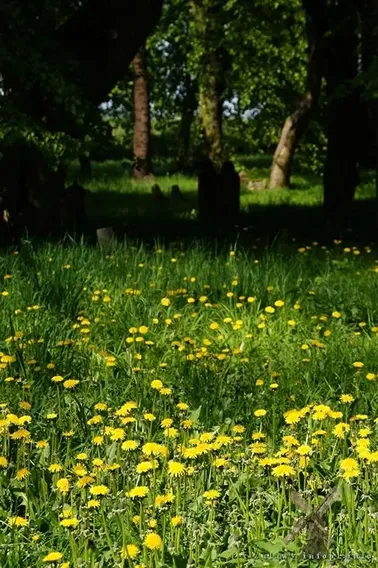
[
  {"x": 368, "y": 10},
  {"x": 211, "y": 80},
  {"x": 211, "y": 109},
  {"x": 343, "y": 114},
  {"x": 296, "y": 124},
  {"x": 188, "y": 109},
  {"x": 142, "y": 123}
]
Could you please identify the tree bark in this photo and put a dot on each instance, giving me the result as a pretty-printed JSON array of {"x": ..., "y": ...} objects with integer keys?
[
  {"x": 188, "y": 109},
  {"x": 296, "y": 124},
  {"x": 343, "y": 114},
  {"x": 211, "y": 108},
  {"x": 368, "y": 10},
  {"x": 211, "y": 78},
  {"x": 142, "y": 123}
]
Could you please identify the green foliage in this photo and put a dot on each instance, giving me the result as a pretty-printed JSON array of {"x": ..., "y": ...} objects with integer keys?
[{"x": 262, "y": 46}]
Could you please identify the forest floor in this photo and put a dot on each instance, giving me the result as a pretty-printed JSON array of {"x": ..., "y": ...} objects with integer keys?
[{"x": 186, "y": 403}]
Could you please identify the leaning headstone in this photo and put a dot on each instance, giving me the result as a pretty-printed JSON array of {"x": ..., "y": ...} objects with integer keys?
[
  {"x": 105, "y": 238},
  {"x": 157, "y": 193},
  {"x": 176, "y": 194},
  {"x": 257, "y": 184}
]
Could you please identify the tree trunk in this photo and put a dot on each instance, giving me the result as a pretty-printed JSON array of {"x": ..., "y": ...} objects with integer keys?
[
  {"x": 296, "y": 124},
  {"x": 211, "y": 108},
  {"x": 142, "y": 124},
  {"x": 343, "y": 114},
  {"x": 188, "y": 109},
  {"x": 211, "y": 78},
  {"x": 368, "y": 10}
]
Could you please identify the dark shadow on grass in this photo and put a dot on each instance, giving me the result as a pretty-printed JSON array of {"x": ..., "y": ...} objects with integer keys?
[{"x": 138, "y": 216}]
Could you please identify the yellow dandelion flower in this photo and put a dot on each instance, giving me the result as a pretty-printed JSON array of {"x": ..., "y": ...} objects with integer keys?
[
  {"x": 349, "y": 468},
  {"x": 176, "y": 469},
  {"x": 211, "y": 494},
  {"x": 129, "y": 445},
  {"x": 303, "y": 450},
  {"x": 153, "y": 541},
  {"x": 63, "y": 485},
  {"x": 177, "y": 521},
  {"x": 22, "y": 474},
  {"x": 69, "y": 523},
  {"x": 260, "y": 412},
  {"x": 3, "y": 462},
  {"x": 17, "y": 522},
  {"x": 117, "y": 434},
  {"x": 97, "y": 490},
  {"x": 55, "y": 468},
  {"x": 258, "y": 448},
  {"x": 70, "y": 383},
  {"x": 283, "y": 470},
  {"x": 84, "y": 481},
  {"x": 346, "y": 398},
  {"x": 130, "y": 551},
  {"x": 53, "y": 557},
  {"x": 149, "y": 417},
  {"x": 82, "y": 456},
  {"x": 139, "y": 491},
  {"x": 93, "y": 504}
]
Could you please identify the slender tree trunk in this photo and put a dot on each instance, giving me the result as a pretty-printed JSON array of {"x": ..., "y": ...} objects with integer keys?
[
  {"x": 142, "y": 123},
  {"x": 343, "y": 114},
  {"x": 187, "y": 116},
  {"x": 296, "y": 124}
]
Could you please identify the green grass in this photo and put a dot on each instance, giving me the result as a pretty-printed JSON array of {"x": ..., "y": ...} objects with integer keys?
[{"x": 241, "y": 331}]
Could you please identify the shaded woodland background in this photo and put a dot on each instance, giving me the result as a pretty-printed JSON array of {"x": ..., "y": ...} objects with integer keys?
[{"x": 159, "y": 87}]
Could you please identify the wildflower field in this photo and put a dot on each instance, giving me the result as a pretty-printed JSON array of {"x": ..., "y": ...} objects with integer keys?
[{"x": 186, "y": 406}]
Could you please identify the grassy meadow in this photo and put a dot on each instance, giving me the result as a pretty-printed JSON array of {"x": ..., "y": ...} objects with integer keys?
[{"x": 185, "y": 402}]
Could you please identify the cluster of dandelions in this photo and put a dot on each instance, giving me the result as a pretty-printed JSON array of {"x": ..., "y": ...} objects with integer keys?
[
  {"x": 136, "y": 480},
  {"x": 160, "y": 471}
]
